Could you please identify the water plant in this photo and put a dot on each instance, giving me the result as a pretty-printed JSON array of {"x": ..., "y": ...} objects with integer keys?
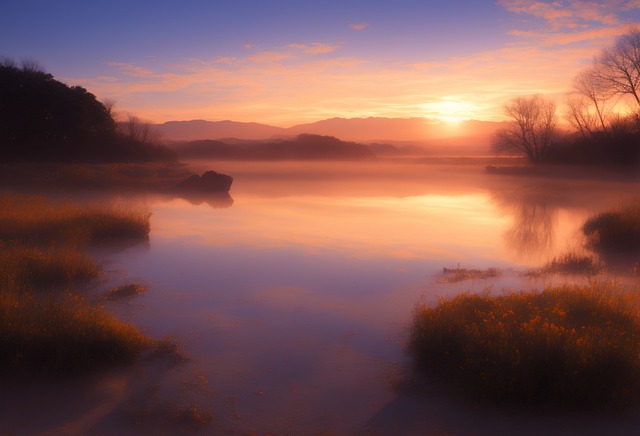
[
  {"x": 567, "y": 346},
  {"x": 43, "y": 328}
]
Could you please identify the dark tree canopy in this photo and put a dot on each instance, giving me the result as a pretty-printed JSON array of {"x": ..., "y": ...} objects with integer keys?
[{"x": 42, "y": 119}]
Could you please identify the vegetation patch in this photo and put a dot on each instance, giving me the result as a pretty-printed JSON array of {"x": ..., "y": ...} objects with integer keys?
[
  {"x": 124, "y": 291},
  {"x": 39, "y": 268},
  {"x": 40, "y": 250},
  {"x": 616, "y": 231},
  {"x": 568, "y": 263},
  {"x": 454, "y": 275},
  {"x": 564, "y": 347},
  {"x": 62, "y": 335},
  {"x": 34, "y": 220}
]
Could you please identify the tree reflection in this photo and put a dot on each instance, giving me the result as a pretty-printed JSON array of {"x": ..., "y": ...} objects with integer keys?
[
  {"x": 216, "y": 200},
  {"x": 534, "y": 219},
  {"x": 533, "y": 229}
]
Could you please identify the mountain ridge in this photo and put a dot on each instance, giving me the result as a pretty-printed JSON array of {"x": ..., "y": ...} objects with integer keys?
[{"x": 370, "y": 129}]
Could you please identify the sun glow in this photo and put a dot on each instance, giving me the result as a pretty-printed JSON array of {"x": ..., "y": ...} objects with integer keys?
[{"x": 451, "y": 111}]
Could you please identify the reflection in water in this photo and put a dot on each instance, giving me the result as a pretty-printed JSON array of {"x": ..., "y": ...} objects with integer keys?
[
  {"x": 533, "y": 228},
  {"x": 217, "y": 200}
]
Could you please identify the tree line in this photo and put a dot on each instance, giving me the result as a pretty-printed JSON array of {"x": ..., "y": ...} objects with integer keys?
[
  {"x": 42, "y": 119},
  {"x": 599, "y": 132}
]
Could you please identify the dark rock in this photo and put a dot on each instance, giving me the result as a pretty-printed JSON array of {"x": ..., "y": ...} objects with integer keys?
[{"x": 210, "y": 181}]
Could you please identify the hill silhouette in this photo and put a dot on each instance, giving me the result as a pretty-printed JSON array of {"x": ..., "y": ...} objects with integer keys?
[
  {"x": 302, "y": 147},
  {"x": 372, "y": 129},
  {"x": 42, "y": 119}
]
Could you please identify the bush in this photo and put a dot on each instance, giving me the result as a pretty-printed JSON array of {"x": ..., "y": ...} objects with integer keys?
[
  {"x": 564, "y": 347},
  {"x": 616, "y": 231}
]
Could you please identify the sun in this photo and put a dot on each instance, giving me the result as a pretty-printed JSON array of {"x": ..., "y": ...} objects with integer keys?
[{"x": 451, "y": 111}]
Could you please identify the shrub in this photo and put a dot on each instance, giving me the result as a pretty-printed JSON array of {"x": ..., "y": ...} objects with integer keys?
[
  {"x": 616, "y": 231},
  {"x": 564, "y": 347}
]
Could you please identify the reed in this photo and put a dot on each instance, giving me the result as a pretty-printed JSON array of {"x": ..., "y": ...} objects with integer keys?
[{"x": 565, "y": 347}]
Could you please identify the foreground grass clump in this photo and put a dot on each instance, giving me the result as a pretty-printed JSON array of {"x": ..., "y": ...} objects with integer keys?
[
  {"x": 568, "y": 263},
  {"x": 616, "y": 231},
  {"x": 454, "y": 275},
  {"x": 41, "y": 251},
  {"x": 62, "y": 335},
  {"x": 564, "y": 347},
  {"x": 40, "y": 268},
  {"x": 34, "y": 220}
]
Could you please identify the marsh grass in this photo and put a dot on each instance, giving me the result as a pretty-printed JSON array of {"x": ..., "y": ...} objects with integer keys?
[
  {"x": 34, "y": 220},
  {"x": 566, "y": 347},
  {"x": 62, "y": 335},
  {"x": 42, "y": 329},
  {"x": 616, "y": 231},
  {"x": 158, "y": 176},
  {"x": 46, "y": 268},
  {"x": 454, "y": 275},
  {"x": 569, "y": 263},
  {"x": 124, "y": 291}
]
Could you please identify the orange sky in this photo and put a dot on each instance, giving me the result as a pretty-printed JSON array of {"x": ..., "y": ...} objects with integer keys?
[{"x": 285, "y": 64}]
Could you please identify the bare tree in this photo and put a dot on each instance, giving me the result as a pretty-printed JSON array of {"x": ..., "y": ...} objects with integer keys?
[
  {"x": 619, "y": 66},
  {"x": 138, "y": 130},
  {"x": 531, "y": 128},
  {"x": 578, "y": 114},
  {"x": 590, "y": 84}
]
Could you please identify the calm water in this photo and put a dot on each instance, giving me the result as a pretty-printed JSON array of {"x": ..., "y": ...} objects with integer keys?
[{"x": 292, "y": 299}]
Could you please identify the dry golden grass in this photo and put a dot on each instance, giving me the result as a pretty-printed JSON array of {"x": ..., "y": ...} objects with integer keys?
[
  {"x": 569, "y": 263},
  {"x": 47, "y": 268},
  {"x": 564, "y": 347},
  {"x": 62, "y": 335},
  {"x": 35, "y": 220},
  {"x": 40, "y": 250}
]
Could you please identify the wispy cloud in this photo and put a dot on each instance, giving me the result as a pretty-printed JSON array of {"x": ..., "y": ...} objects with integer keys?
[
  {"x": 571, "y": 22},
  {"x": 269, "y": 56},
  {"x": 359, "y": 26},
  {"x": 315, "y": 47}
]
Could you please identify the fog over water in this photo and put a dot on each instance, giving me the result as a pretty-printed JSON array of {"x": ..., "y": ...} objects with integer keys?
[{"x": 292, "y": 299}]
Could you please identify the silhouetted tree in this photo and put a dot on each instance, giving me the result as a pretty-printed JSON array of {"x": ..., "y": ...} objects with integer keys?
[
  {"x": 590, "y": 85},
  {"x": 619, "y": 66},
  {"x": 531, "y": 128},
  {"x": 42, "y": 119}
]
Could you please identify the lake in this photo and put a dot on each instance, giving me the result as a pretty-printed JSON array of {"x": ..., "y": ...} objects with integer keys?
[{"x": 292, "y": 299}]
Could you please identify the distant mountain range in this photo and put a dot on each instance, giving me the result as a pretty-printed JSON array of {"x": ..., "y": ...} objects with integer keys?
[{"x": 349, "y": 129}]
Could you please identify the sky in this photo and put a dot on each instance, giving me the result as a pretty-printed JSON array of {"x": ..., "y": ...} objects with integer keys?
[{"x": 286, "y": 62}]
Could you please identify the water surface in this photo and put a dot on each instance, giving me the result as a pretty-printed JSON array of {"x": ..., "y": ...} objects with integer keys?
[{"x": 293, "y": 298}]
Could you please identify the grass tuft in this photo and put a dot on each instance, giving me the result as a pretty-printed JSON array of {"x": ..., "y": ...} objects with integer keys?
[
  {"x": 615, "y": 231},
  {"x": 568, "y": 263},
  {"x": 564, "y": 347},
  {"x": 40, "y": 250},
  {"x": 55, "y": 335},
  {"x": 34, "y": 220},
  {"x": 39, "y": 268},
  {"x": 124, "y": 291},
  {"x": 454, "y": 275}
]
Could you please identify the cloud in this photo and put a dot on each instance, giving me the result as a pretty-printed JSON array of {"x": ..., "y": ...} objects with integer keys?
[
  {"x": 269, "y": 56},
  {"x": 131, "y": 70},
  {"x": 569, "y": 14},
  {"x": 361, "y": 26},
  {"x": 315, "y": 47}
]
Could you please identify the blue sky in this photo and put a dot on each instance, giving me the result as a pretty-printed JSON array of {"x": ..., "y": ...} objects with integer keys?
[{"x": 291, "y": 61}]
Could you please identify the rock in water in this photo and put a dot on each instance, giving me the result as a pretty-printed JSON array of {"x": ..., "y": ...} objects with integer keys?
[{"x": 210, "y": 181}]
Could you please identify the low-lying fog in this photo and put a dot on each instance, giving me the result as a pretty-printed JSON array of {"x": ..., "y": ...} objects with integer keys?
[{"x": 292, "y": 300}]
